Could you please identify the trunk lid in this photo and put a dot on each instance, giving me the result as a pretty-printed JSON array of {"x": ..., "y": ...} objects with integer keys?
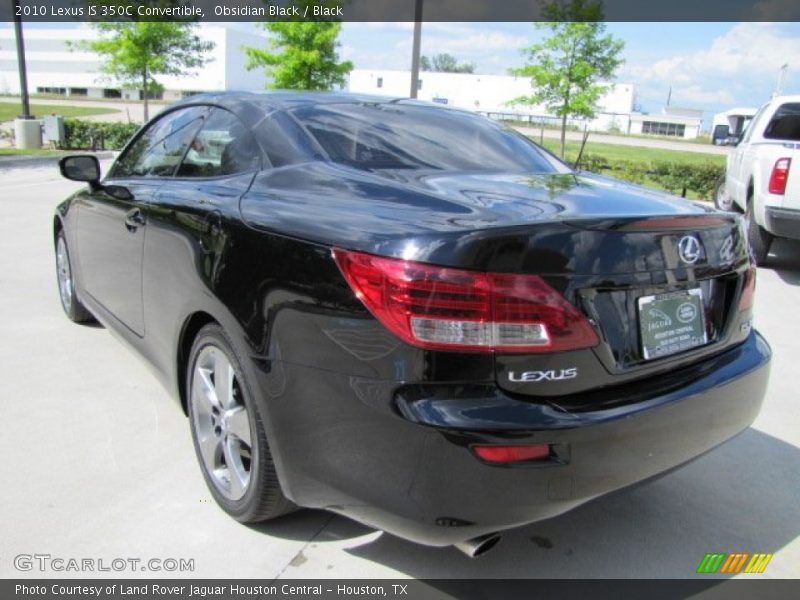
[{"x": 661, "y": 293}]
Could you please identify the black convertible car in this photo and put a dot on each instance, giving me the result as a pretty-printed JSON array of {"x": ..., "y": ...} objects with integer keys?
[{"x": 409, "y": 314}]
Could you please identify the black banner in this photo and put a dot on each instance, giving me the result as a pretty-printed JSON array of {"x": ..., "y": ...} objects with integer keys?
[
  {"x": 407, "y": 589},
  {"x": 387, "y": 10}
]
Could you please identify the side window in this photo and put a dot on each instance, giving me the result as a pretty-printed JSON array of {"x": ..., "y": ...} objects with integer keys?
[
  {"x": 284, "y": 141},
  {"x": 157, "y": 152},
  {"x": 222, "y": 147},
  {"x": 785, "y": 123}
]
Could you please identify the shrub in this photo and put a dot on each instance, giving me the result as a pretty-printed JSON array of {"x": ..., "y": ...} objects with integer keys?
[
  {"x": 681, "y": 177},
  {"x": 704, "y": 178},
  {"x": 594, "y": 163},
  {"x": 80, "y": 134},
  {"x": 630, "y": 170},
  {"x": 675, "y": 177}
]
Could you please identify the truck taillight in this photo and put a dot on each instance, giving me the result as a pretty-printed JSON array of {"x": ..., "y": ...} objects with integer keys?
[
  {"x": 459, "y": 310},
  {"x": 779, "y": 176}
]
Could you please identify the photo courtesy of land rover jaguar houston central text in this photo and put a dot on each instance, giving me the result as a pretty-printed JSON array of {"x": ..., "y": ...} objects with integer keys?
[{"x": 409, "y": 314}]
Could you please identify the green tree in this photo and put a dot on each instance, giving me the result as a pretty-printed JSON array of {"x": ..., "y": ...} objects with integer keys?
[
  {"x": 134, "y": 53},
  {"x": 301, "y": 55},
  {"x": 566, "y": 67},
  {"x": 445, "y": 63}
]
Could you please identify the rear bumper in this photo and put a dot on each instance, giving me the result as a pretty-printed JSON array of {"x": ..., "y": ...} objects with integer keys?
[
  {"x": 412, "y": 474},
  {"x": 782, "y": 222}
]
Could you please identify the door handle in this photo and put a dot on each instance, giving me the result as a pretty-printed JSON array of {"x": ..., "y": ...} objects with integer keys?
[{"x": 134, "y": 219}]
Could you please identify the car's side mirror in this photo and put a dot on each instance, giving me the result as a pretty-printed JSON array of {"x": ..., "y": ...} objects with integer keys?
[{"x": 82, "y": 167}]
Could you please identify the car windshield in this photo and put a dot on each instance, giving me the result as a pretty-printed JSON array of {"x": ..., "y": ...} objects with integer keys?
[{"x": 379, "y": 136}]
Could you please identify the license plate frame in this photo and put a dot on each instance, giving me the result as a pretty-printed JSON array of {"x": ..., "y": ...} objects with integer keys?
[{"x": 671, "y": 322}]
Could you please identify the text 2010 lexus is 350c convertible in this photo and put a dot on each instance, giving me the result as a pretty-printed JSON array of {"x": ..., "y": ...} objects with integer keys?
[{"x": 408, "y": 314}]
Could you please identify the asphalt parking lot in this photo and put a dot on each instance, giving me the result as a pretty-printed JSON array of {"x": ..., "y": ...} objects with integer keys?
[{"x": 98, "y": 461}]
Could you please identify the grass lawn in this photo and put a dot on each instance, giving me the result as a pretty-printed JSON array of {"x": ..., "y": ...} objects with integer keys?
[
  {"x": 10, "y": 110},
  {"x": 635, "y": 153}
]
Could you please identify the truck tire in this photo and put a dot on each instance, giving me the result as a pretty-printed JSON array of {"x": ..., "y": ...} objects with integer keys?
[
  {"x": 759, "y": 238},
  {"x": 722, "y": 199}
]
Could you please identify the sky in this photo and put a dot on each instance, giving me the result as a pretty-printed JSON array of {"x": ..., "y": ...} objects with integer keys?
[{"x": 710, "y": 66}]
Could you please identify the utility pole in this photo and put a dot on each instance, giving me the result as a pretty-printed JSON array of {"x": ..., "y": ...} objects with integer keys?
[
  {"x": 23, "y": 73},
  {"x": 416, "y": 47},
  {"x": 781, "y": 80},
  {"x": 669, "y": 95}
]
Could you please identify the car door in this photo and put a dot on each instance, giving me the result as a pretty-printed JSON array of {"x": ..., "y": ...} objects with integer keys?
[
  {"x": 112, "y": 227},
  {"x": 189, "y": 217}
]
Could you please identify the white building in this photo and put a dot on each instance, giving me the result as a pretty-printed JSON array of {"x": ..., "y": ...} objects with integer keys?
[
  {"x": 491, "y": 94},
  {"x": 672, "y": 121},
  {"x": 55, "y": 67}
]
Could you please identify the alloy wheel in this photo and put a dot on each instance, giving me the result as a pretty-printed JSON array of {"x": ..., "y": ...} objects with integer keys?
[
  {"x": 222, "y": 423},
  {"x": 64, "y": 273}
]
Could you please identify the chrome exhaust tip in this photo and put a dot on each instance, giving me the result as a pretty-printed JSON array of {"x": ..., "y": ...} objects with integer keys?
[{"x": 479, "y": 545}]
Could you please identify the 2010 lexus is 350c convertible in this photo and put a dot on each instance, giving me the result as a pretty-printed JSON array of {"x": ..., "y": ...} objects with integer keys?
[{"x": 408, "y": 314}]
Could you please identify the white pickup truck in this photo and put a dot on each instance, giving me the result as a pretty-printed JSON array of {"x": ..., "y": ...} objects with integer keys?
[{"x": 762, "y": 177}]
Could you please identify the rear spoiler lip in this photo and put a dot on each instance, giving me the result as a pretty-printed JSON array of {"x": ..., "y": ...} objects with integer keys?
[{"x": 660, "y": 223}]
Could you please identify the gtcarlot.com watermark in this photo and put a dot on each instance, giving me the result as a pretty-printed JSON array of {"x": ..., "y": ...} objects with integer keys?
[{"x": 47, "y": 563}]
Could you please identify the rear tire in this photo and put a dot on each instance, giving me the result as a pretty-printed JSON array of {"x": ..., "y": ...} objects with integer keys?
[
  {"x": 228, "y": 432},
  {"x": 760, "y": 239},
  {"x": 75, "y": 311}
]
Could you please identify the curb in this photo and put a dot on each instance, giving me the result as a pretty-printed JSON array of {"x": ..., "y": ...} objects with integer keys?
[{"x": 16, "y": 162}]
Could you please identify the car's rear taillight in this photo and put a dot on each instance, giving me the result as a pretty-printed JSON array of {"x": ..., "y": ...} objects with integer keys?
[
  {"x": 454, "y": 309},
  {"x": 779, "y": 176}
]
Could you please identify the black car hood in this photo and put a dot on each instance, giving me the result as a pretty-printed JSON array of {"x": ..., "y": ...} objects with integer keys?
[{"x": 451, "y": 218}]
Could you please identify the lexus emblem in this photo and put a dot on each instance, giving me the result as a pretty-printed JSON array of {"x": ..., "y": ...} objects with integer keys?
[{"x": 689, "y": 249}]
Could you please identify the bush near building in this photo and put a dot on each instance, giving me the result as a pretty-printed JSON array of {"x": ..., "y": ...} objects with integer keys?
[{"x": 80, "y": 134}]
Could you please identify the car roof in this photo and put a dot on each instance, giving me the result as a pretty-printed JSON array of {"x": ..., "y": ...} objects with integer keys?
[
  {"x": 280, "y": 100},
  {"x": 784, "y": 99}
]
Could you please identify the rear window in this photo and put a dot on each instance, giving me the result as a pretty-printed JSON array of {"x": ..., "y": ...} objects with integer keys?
[
  {"x": 785, "y": 123},
  {"x": 378, "y": 136}
]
